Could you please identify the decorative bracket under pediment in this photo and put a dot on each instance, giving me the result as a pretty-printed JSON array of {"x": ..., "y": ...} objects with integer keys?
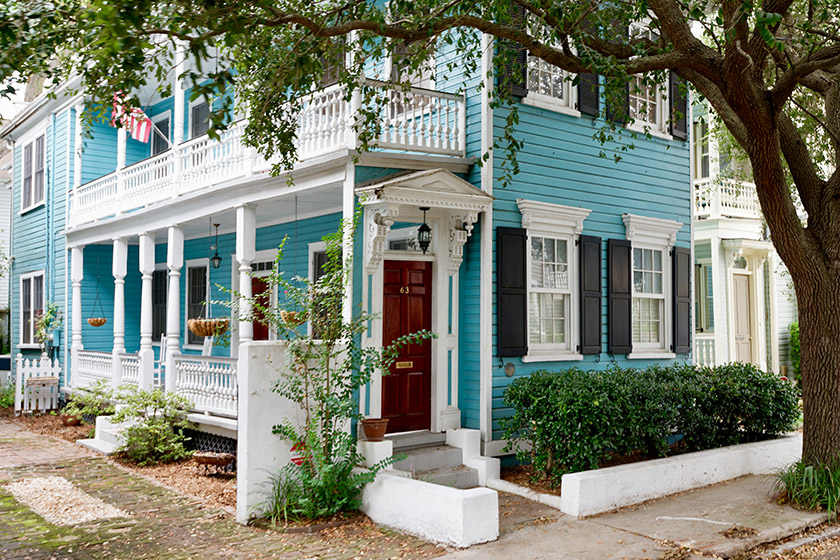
[
  {"x": 460, "y": 227},
  {"x": 378, "y": 220}
]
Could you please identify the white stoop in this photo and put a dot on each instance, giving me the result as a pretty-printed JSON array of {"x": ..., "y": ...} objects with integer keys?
[
  {"x": 434, "y": 491},
  {"x": 106, "y": 440}
]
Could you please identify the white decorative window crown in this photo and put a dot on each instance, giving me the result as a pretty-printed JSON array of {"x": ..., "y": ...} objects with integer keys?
[
  {"x": 651, "y": 231},
  {"x": 561, "y": 220}
]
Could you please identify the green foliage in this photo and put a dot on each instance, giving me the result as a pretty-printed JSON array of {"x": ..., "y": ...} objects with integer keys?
[
  {"x": 574, "y": 420},
  {"x": 325, "y": 367},
  {"x": 91, "y": 401},
  {"x": 46, "y": 322},
  {"x": 795, "y": 352},
  {"x": 157, "y": 420},
  {"x": 7, "y": 395},
  {"x": 814, "y": 487}
]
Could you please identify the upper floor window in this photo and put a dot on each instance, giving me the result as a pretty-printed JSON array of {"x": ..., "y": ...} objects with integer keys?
[
  {"x": 199, "y": 119},
  {"x": 34, "y": 159},
  {"x": 31, "y": 305},
  {"x": 701, "y": 150},
  {"x": 160, "y": 136},
  {"x": 645, "y": 101},
  {"x": 402, "y": 70},
  {"x": 548, "y": 81}
]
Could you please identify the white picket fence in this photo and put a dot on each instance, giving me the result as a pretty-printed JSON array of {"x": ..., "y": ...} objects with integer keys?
[{"x": 36, "y": 384}]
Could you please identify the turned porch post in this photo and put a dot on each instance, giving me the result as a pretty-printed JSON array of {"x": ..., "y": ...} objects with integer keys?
[
  {"x": 146, "y": 355},
  {"x": 174, "y": 262},
  {"x": 118, "y": 269},
  {"x": 246, "y": 223},
  {"x": 76, "y": 275}
]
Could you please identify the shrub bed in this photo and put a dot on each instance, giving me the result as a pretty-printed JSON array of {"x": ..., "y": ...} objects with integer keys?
[{"x": 575, "y": 420}]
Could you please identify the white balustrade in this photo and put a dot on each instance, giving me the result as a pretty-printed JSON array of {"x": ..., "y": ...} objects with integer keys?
[
  {"x": 714, "y": 198},
  {"x": 414, "y": 120},
  {"x": 704, "y": 349},
  {"x": 130, "y": 364},
  {"x": 210, "y": 383},
  {"x": 93, "y": 367}
]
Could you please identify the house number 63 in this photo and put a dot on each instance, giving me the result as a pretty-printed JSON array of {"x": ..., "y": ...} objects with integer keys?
[{"x": 404, "y": 290}]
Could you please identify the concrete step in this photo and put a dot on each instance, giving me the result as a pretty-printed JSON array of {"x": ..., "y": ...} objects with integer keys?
[
  {"x": 104, "y": 447},
  {"x": 110, "y": 435},
  {"x": 460, "y": 476},
  {"x": 411, "y": 440},
  {"x": 428, "y": 458}
]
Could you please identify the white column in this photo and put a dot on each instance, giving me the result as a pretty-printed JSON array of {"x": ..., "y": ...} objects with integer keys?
[
  {"x": 118, "y": 269},
  {"x": 348, "y": 213},
  {"x": 174, "y": 262},
  {"x": 121, "y": 140},
  {"x": 178, "y": 117},
  {"x": 147, "y": 353},
  {"x": 246, "y": 237},
  {"x": 720, "y": 273},
  {"x": 76, "y": 275}
]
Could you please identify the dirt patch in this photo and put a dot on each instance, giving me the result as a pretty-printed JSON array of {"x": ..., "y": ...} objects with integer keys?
[
  {"x": 738, "y": 532},
  {"x": 187, "y": 477},
  {"x": 523, "y": 475},
  {"x": 51, "y": 425}
]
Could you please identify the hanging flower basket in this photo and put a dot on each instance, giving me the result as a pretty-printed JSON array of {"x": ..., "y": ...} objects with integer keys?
[
  {"x": 208, "y": 327},
  {"x": 97, "y": 321},
  {"x": 292, "y": 318}
]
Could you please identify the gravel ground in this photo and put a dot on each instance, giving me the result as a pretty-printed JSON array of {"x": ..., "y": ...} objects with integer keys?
[{"x": 56, "y": 500}]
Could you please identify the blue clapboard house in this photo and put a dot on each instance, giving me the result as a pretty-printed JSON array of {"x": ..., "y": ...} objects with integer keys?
[{"x": 581, "y": 261}]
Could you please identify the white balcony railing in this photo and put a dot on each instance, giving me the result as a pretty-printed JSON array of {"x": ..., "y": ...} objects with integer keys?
[
  {"x": 93, "y": 367},
  {"x": 704, "y": 349},
  {"x": 412, "y": 120},
  {"x": 716, "y": 198},
  {"x": 210, "y": 383}
]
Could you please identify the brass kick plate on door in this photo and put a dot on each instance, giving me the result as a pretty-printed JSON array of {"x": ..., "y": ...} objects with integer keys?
[{"x": 405, "y": 365}]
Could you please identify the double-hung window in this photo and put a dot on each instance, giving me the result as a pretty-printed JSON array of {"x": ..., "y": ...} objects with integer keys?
[
  {"x": 160, "y": 136},
  {"x": 646, "y": 102},
  {"x": 553, "y": 283},
  {"x": 701, "y": 150},
  {"x": 549, "y": 86},
  {"x": 34, "y": 162},
  {"x": 159, "y": 286},
  {"x": 31, "y": 305},
  {"x": 196, "y": 298},
  {"x": 704, "y": 308},
  {"x": 199, "y": 119}
]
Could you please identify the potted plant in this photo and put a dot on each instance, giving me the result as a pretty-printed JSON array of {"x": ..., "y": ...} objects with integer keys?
[
  {"x": 46, "y": 322},
  {"x": 374, "y": 428}
]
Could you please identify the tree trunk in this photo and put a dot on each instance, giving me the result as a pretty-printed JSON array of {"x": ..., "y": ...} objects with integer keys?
[{"x": 819, "y": 336}]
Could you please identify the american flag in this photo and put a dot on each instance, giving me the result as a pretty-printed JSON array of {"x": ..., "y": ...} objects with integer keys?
[{"x": 133, "y": 119}]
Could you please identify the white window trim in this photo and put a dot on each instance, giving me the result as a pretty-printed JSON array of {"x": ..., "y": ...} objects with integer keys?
[
  {"x": 28, "y": 276},
  {"x": 32, "y": 142},
  {"x": 644, "y": 232},
  {"x": 545, "y": 219},
  {"x": 550, "y": 103},
  {"x": 660, "y": 129},
  {"x": 193, "y": 263}
]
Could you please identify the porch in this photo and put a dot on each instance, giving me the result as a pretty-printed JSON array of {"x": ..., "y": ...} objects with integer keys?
[
  {"x": 725, "y": 198},
  {"x": 415, "y": 121}
]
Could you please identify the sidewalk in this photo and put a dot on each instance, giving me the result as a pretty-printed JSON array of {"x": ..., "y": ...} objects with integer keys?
[{"x": 720, "y": 520}]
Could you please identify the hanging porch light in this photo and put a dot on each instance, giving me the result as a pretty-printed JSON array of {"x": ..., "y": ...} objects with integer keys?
[
  {"x": 216, "y": 259},
  {"x": 424, "y": 233}
]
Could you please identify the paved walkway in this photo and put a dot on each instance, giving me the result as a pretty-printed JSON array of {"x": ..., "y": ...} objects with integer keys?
[{"x": 162, "y": 524}]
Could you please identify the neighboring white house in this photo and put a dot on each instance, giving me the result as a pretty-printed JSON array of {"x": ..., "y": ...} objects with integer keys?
[
  {"x": 743, "y": 301},
  {"x": 6, "y": 161}
]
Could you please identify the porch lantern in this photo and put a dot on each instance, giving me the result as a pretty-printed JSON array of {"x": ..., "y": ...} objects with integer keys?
[
  {"x": 424, "y": 233},
  {"x": 216, "y": 259}
]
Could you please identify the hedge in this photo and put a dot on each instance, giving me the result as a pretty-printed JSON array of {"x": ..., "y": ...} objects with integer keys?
[{"x": 574, "y": 420}]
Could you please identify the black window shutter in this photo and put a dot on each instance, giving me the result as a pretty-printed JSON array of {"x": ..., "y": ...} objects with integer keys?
[
  {"x": 590, "y": 294},
  {"x": 511, "y": 292},
  {"x": 619, "y": 297},
  {"x": 682, "y": 300},
  {"x": 516, "y": 61},
  {"x": 589, "y": 102},
  {"x": 679, "y": 107}
]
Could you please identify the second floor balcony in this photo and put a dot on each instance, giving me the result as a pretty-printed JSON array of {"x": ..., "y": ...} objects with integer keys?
[
  {"x": 725, "y": 198},
  {"x": 412, "y": 121}
]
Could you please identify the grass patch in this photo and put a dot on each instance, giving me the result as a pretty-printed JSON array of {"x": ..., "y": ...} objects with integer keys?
[{"x": 813, "y": 487}]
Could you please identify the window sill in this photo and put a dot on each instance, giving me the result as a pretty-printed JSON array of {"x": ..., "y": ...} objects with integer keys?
[
  {"x": 655, "y": 132},
  {"x": 197, "y": 347},
  {"x": 29, "y": 346},
  {"x": 30, "y": 208},
  {"x": 651, "y": 355},
  {"x": 551, "y": 357},
  {"x": 549, "y": 104}
]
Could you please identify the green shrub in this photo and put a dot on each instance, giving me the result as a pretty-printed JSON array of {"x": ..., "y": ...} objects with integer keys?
[
  {"x": 795, "y": 351},
  {"x": 91, "y": 401},
  {"x": 811, "y": 487},
  {"x": 574, "y": 420},
  {"x": 7, "y": 395},
  {"x": 155, "y": 433}
]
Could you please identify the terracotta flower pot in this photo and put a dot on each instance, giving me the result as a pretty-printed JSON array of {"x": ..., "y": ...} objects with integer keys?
[
  {"x": 374, "y": 428},
  {"x": 69, "y": 420}
]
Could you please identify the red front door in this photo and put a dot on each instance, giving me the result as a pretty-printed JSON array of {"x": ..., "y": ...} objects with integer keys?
[
  {"x": 407, "y": 308},
  {"x": 259, "y": 289}
]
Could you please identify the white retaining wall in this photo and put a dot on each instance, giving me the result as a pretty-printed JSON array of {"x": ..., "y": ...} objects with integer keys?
[
  {"x": 592, "y": 492},
  {"x": 436, "y": 513}
]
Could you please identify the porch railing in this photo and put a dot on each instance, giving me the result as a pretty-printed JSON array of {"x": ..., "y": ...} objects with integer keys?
[
  {"x": 412, "y": 120},
  {"x": 92, "y": 367},
  {"x": 210, "y": 383},
  {"x": 715, "y": 198},
  {"x": 130, "y": 365},
  {"x": 704, "y": 349}
]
